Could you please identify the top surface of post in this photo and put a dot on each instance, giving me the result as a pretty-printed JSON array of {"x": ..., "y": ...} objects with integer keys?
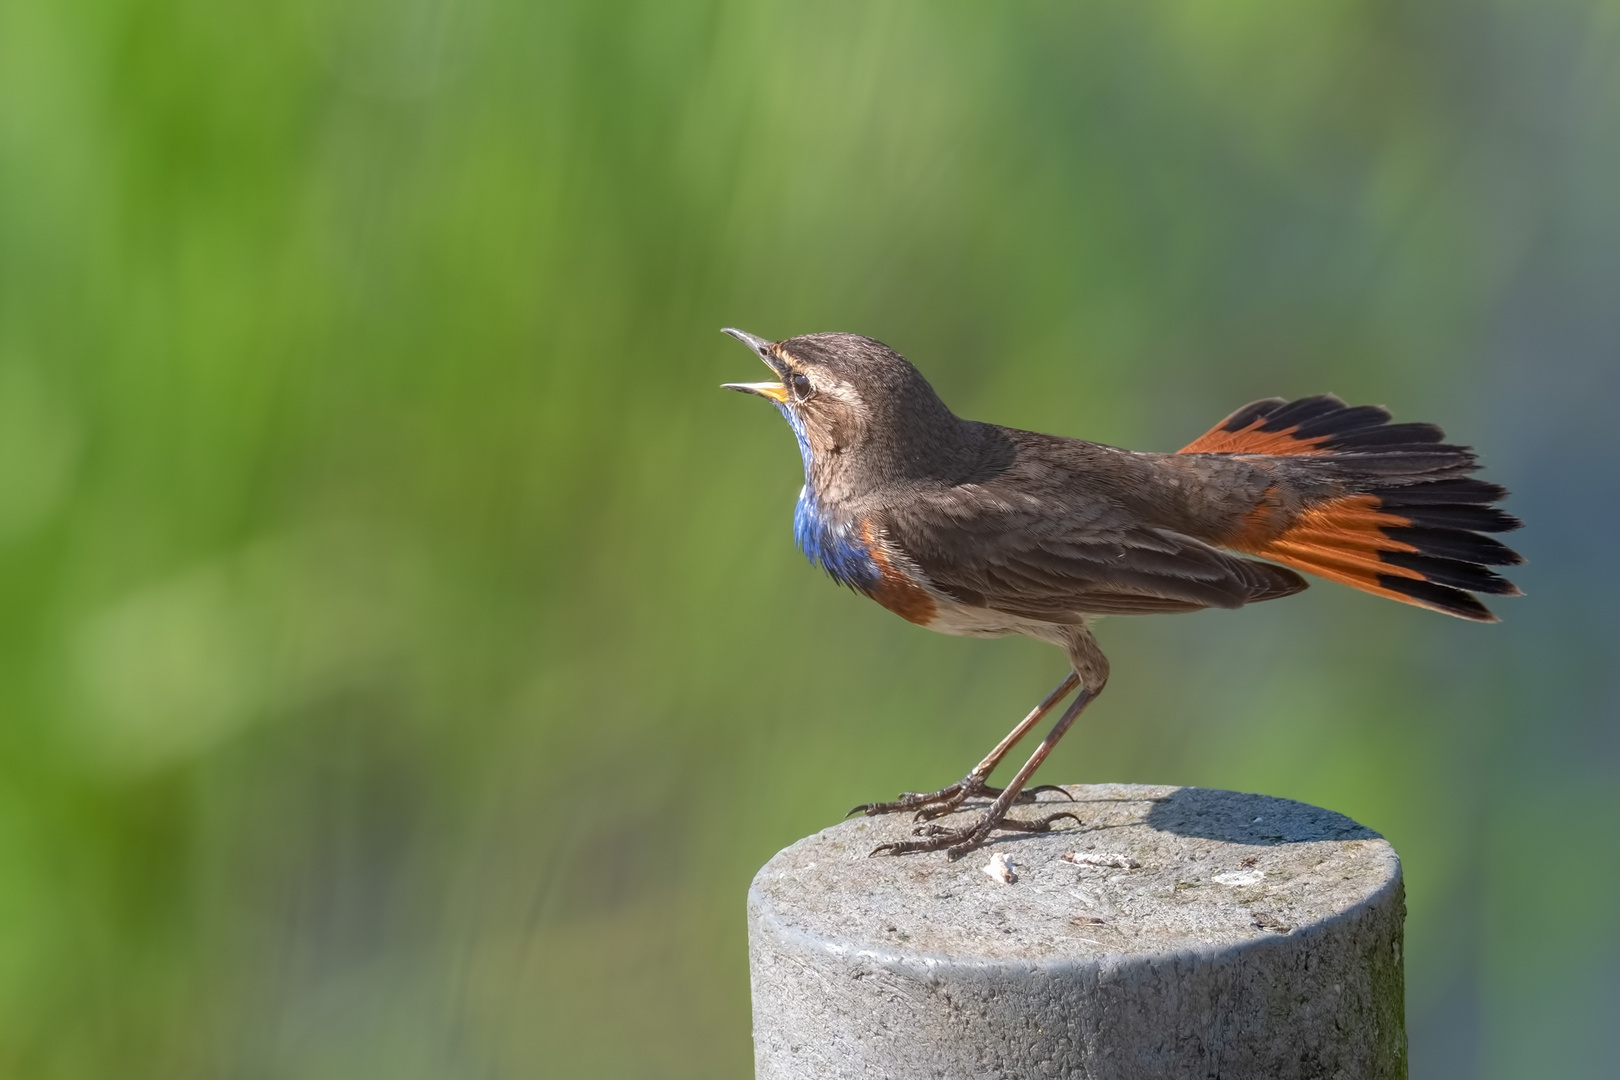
[{"x": 1151, "y": 870}]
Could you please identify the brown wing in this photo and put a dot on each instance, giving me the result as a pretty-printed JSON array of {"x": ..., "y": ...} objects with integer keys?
[{"x": 1055, "y": 561}]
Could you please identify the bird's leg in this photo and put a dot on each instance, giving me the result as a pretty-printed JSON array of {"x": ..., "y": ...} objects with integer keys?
[
  {"x": 936, "y": 803},
  {"x": 1091, "y": 667},
  {"x": 961, "y": 841}
]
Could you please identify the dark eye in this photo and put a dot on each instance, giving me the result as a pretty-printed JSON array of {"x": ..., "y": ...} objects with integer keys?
[{"x": 800, "y": 384}]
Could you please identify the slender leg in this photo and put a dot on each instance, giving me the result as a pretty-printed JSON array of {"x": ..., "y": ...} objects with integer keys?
[
  {"x": 938, "y": 803},
  {"x": 1091, "y": 667}
]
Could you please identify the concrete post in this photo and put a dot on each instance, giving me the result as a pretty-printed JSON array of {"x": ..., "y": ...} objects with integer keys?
[{"x": 1179, "y": 932}]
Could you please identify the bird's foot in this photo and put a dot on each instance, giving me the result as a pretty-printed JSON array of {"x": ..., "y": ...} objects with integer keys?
[
  {"x": 933, "y": 804},
  {"x": 958, "y": 842}
]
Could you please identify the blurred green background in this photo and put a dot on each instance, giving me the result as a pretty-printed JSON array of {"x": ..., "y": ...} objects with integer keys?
[{"x": 404, "y": 659}]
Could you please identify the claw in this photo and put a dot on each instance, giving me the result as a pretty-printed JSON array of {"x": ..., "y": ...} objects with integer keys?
[
  {"x": 980, "y": 834},
  {"x": 906, "y": 801},
  {"x": 958, "y": 842},
  {"x": 929, "y": 813},
  {"x": 1028, "y": 794},
  {"x": 931, "y": 804},
  {"x": 1040, "y": 824}
]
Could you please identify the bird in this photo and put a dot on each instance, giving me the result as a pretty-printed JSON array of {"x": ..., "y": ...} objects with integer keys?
[{"x": 980, "y": 530}]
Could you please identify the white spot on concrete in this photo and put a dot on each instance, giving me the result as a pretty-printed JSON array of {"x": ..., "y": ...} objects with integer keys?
[
  {"x": 1239, "y": 877},
  {"x": 1000, "y": 869},
  {"x": 1102, "y": 858}
]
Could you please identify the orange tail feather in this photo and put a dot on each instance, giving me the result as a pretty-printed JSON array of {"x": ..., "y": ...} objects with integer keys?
[{"x": 1409, "y": 530}]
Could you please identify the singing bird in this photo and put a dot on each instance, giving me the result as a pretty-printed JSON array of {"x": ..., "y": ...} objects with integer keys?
[{"x": 981, "y": 530}]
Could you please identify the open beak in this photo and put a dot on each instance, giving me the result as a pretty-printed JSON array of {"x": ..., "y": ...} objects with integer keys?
[{"x": 774, "y": 391}]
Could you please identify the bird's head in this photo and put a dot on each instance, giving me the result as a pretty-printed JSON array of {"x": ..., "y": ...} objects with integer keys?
[{"x": 863, "y": 415}]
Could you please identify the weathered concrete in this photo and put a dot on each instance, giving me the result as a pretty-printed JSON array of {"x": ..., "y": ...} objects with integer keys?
[{"x": 1255, "y": 937}]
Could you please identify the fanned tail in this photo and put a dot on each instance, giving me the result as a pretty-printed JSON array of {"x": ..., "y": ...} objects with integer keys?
[{"x": 1386, "y": 508}]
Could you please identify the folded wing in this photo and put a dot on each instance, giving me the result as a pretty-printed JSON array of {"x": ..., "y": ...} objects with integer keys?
[{"x": 988, "y": 551}]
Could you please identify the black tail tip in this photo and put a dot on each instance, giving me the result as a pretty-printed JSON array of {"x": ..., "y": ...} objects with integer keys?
[{"x": 1445, "y": 598}]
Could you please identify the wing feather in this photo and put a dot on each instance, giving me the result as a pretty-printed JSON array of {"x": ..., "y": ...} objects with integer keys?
[{"x": 1033, "y": 559}]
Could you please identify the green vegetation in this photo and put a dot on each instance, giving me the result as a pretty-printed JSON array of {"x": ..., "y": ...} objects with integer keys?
[{"x": 404, "y": 661}]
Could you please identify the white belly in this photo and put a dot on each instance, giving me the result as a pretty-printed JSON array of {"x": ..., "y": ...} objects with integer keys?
[{"x": 964, "y": 621}]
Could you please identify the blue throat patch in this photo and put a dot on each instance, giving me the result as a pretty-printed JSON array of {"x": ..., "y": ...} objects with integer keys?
[{"x": 831, "y": 546}]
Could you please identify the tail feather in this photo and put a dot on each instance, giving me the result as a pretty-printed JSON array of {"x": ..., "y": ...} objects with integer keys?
[
  {"x": 1459, "y": 545},
  {"x": 1319, "y": 411},
  {"x": 1441, "y": 598},
  {"x": 1330, "y": 416},
  {"x": 1387, "y": 508},
  {"x": 1405, "y": 464},
  {"x": 1454, "y": 572},
  {"x": 1444, "y": 492},
  {"x": 1486, "y": 519}
]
